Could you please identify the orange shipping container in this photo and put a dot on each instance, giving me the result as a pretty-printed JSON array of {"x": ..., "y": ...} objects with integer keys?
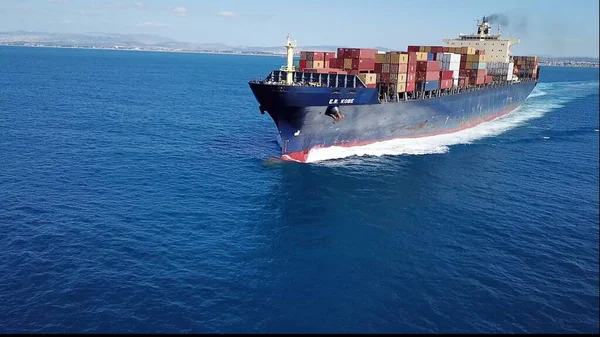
[
  {"x": 401, "y": 87},
  {"x": 421, "y": 56},
  {"x": 348, "y": 63},
  {"x": 398, "y": 58},
  {"x": 379, "y": 58},
  {"x": 368, "y": 78},
  {"x": 318, "y": 64}
]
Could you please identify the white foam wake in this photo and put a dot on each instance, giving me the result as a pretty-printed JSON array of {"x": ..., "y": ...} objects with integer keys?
[{"x": 545, "y": 98}]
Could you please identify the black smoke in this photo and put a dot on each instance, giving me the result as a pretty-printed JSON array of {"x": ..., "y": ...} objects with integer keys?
[
  {"x": 499, "y": 19},
  {"x": 514, "y": 24}
]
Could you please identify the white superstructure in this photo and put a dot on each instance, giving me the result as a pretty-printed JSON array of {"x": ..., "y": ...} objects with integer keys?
[{"x": 496, "y": 48}]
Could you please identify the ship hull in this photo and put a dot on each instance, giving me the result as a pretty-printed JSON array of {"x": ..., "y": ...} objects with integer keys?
[{"x": 305, "y": 122}]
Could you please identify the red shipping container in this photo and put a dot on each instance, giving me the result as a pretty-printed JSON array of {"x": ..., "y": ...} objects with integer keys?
[
  {"x": 377, "y": 68},
  {"x": 363, "y": 53},
  {"x": 445, "y": 84},
  {"x": 341, "y": 53},
  {"x": 372, "y": 85},
  {"x": 327, "y": 56},
  {"x": 353, "y": 72},
  {"x": 428, "y": 66},
  {"x": 413, "y": 49},
  {"x": 333, "y": 63},
  {"x": 410, "y": 86},
  {"x": 445, "y": 49},
  {"x": 411, "y": 68},
  {"x": 403, "y": 68},
  {"x": 385, "y": 77},
  {"x": 411, "y": 77},
  {"x": 480, "y": 72},
  {"x": 302, "y": 64},
  {"x": 480, "y": 80},
  {"x": 412, "y": 57},
  {"x": 363, "y": 64},
  {"x": 446, "y": 74},
  {"x": 394, "y": 68},
  {"x": 428, "y": 76},
  {"x": 488, "y": 79},
  {"x": 435, "y": 49},
  {"x": 385, "y": 68},
  {"x": 318, "y": 56}
]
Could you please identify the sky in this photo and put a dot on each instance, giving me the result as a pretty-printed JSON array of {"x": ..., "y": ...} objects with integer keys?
[{"x": 545, "y": 27}]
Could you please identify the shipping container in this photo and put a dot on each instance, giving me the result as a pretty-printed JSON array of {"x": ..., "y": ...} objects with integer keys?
[
  {"x": 401, "y": 87},
  {"x": 397, "y": 58},
  {"x": 478, "y": 65},
  {"x": 341, "y": 53},
  {"x": 446, "y": 84},
  {"x": 488, "y": 79},
  {"x": 333, "y": 63},
  {"x": 385, "y": 68},
  {"x": 411, "y": 68},
  {"x": 480, "y": 80},
  {"x": 303, "y": 64},
  {"x": 317, "y": 64},
  {"x": 402, "y": 68},
  {"x": 463, "y": 81},
  {"x": 374, "y": 85},
  {"x": 428, "y": 76},
  {"x": 377, "y": 68},
  {"x": 413, "y": 49},
  {"x": 309, "y": 64},
  {"x": 363, "y": 64},
  {"x": 303, "y": 55},
  {"x": 426, "y": 66},
  {"x": 385, "y": 77},
  {"x": 380, "y": 58},
  {"x": 348, "y": 63},
  {"x": 421, "y": 56},
  {"x": 410, "y": 86},
  {"x": 397, "y": 78},
  {"x": 411, "y": 77},
  {"x": 446, "y": 74},
  {"x": 326, "y": 64},
  {"x": 427, "y": 85},
  {"x": 430, "y": 56},
  {"x": 364, "y": 53},
  {"x": 368, "y": 78},
  {"x": 327, "y": 56}
]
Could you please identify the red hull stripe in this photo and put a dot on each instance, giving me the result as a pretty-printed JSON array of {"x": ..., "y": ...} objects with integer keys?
[{"x": 302, "y": 156}]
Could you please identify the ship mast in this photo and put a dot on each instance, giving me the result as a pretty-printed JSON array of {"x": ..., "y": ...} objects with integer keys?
[{"x": 289, "y": 68}]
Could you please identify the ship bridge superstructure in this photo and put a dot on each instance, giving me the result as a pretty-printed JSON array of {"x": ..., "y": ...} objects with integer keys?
[{"x": 497, "y": 48}]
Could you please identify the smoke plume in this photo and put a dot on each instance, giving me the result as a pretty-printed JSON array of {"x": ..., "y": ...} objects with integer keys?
[{"x": 516, "y": 25}]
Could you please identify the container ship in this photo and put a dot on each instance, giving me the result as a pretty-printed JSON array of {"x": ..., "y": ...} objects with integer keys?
[{"x": 359, "y": 96}]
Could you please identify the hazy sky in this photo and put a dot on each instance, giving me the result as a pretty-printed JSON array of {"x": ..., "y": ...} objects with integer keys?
[{"x": 561, "y": 28}]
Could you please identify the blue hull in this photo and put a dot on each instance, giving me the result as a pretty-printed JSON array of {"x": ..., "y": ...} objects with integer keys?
[{"x": 304, "y": 120}]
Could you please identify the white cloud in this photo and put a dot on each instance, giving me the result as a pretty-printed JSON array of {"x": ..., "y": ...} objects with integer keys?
[
  {"x": 227, "y": 14},
  {"x": 152, "y": 24},
  {"x": 180, "y": 11}
]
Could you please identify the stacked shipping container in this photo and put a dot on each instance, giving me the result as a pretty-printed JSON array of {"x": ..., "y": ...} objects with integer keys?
[
  {"x": 422, "y": 68},
  {"x": 527, "y": 66}
]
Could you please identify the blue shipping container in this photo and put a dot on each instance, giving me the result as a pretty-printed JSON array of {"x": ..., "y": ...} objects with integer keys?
[
  {"x": 430, "y": 56},
  {"x": 426, "y": 86}
]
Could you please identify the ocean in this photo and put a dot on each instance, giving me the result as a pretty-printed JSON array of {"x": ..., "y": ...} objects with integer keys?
[{"x": 138, "y": 193}]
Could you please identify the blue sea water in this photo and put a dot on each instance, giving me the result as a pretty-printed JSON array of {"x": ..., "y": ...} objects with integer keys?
[{"x": 137, "y": 195}]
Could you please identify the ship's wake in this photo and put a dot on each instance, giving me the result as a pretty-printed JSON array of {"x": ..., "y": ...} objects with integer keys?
[{"x": 545, "y": 98}]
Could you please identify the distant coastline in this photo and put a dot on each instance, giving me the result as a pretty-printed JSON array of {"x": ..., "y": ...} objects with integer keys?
[
  {"x": 544, "y": 61},
  {"x": 157, "y": 50}
]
